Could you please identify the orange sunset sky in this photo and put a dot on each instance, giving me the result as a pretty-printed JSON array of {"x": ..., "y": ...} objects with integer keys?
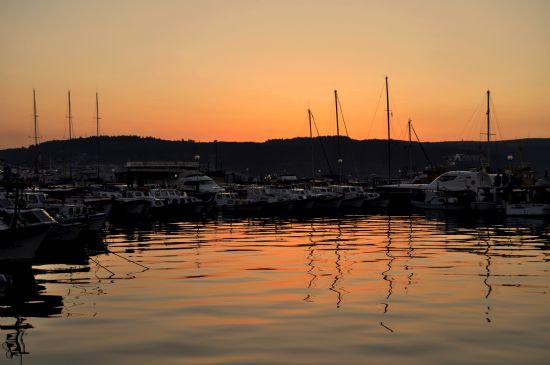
[{"x": 248, "y": 70}]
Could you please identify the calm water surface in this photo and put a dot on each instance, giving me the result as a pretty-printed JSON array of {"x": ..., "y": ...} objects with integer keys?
[{"x": 349, "y": 290}]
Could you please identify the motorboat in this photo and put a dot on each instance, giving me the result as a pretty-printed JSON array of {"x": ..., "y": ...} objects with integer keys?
[
  {"x": 199, "y": 185},
  {"x": 325, "y": 198},
  {"x": 274, "y": 199},
  {"x": 21, "y": 234},
  {"x": 232, "y": 202},
  {"x": 528, "y": 201},
  {"x": 353, "y": 195},
  {"x": 452, "y": 190},
  {"x": 439, "y": 200}
]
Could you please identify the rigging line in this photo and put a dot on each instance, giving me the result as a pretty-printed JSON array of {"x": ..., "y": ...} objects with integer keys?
[
  {"x": 66, "y": 119},
  {"x": 321, "y": 142},
  {"x": 421, "y": 146},
  {"x": 346, "y": 129},
  {"x": 495, "y": 118},
  {"x": 103, "y": 267},
  {"x": 342, "y": 114},
  {"x": 475, "y": 112},
  {"x": 397, "y": 128},
  {"x": 127, "y": 259},
  {"x": 375, "y": 112}
]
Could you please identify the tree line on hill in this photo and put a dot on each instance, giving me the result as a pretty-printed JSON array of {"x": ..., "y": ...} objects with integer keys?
[{"x": 360, "y": 158}]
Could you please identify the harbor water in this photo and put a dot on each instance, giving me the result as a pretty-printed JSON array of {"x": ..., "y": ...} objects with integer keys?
[{"x": 351, "y": 289}]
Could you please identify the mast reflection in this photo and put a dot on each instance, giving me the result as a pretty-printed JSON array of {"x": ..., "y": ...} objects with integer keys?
[
  {"x": 386, "y": 274},
  {"x": 21, "y": 297},
  {"x": 311, "y": 262},
  {"x": 339, "y": 275}
]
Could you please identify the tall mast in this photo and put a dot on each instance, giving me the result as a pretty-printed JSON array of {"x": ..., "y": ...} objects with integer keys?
[
  {"x": 337, "y": 124},
  {"x": 311, "y": 141},
  {"x": 97, "y": 114},
  {"x": 35, "y": 116},
  {"x": 389, "y": 138},
  {"x": 70, "y": 116},
  {"x": 338, "y": 136},
  {"x": 410, "y": 150},
  {"x": 97, "y": 118},
  {"x": 488, "y": 129},
  {"x": 37, "y": 157}
]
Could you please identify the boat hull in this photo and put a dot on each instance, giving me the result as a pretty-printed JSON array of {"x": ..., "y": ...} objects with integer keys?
[
  {"x": 21, "y": 244},
  {"x": 442, "y": 206},
  {"x": 353, "y": 203},
  {"x": 64, "y": 232},
  {"x": 95, "y": 222},
  {"x": 528, "y": 209},
  {"x": 332, "y": 203}
]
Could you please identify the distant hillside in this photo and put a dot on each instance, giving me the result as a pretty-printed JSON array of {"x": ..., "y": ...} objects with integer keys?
[{"x": 293, "y": 156}]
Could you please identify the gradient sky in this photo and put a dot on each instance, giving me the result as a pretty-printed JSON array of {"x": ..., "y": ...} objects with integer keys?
[{"x": 249, "y": 70}]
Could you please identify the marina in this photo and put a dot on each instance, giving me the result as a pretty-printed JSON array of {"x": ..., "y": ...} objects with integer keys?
[
  {"x": 170, "y": 261},
  {"x": 274, "y": 182}
]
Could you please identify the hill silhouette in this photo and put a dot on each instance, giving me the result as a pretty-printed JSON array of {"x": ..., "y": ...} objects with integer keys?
[{"x": 361, "y": 158}]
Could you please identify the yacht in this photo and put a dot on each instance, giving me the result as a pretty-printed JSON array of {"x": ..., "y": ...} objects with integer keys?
[
  {"x": 452, "y": 190},
  {"x": 199, "y": 185}
]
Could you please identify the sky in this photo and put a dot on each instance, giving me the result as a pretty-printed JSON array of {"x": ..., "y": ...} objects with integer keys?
[{"x": 248, "y": 70}]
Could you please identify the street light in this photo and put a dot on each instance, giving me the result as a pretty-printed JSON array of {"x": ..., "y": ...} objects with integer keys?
[{"x": 340, "y": 162}]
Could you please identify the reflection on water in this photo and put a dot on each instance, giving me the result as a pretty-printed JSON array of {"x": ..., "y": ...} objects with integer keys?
[{"x": 324, "y": 290}]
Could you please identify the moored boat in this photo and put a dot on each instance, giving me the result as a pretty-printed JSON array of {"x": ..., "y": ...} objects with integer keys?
[{"x": 22, "y": 235}]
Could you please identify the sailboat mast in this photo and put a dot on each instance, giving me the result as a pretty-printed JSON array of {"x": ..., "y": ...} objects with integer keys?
[
  {"x": 389, "y": 137},
  {"x": 70, "y": 116},
  {"x": 488, "y": 129},
  {"x": 311, "y": 141},
  {"x": 97, "y": 114},
  {"x": 35, "y": 116},
  {"x": 337, "y": 125},
  {"x": 97, "y": 131},
  {"x": 339, "y": 151},
  {"x": 410, "y": 150},
  {"x": 37, "y": 157}
]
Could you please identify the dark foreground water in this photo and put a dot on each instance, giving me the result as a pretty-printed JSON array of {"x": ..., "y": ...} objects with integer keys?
[{"x": 366, "y": 289}]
